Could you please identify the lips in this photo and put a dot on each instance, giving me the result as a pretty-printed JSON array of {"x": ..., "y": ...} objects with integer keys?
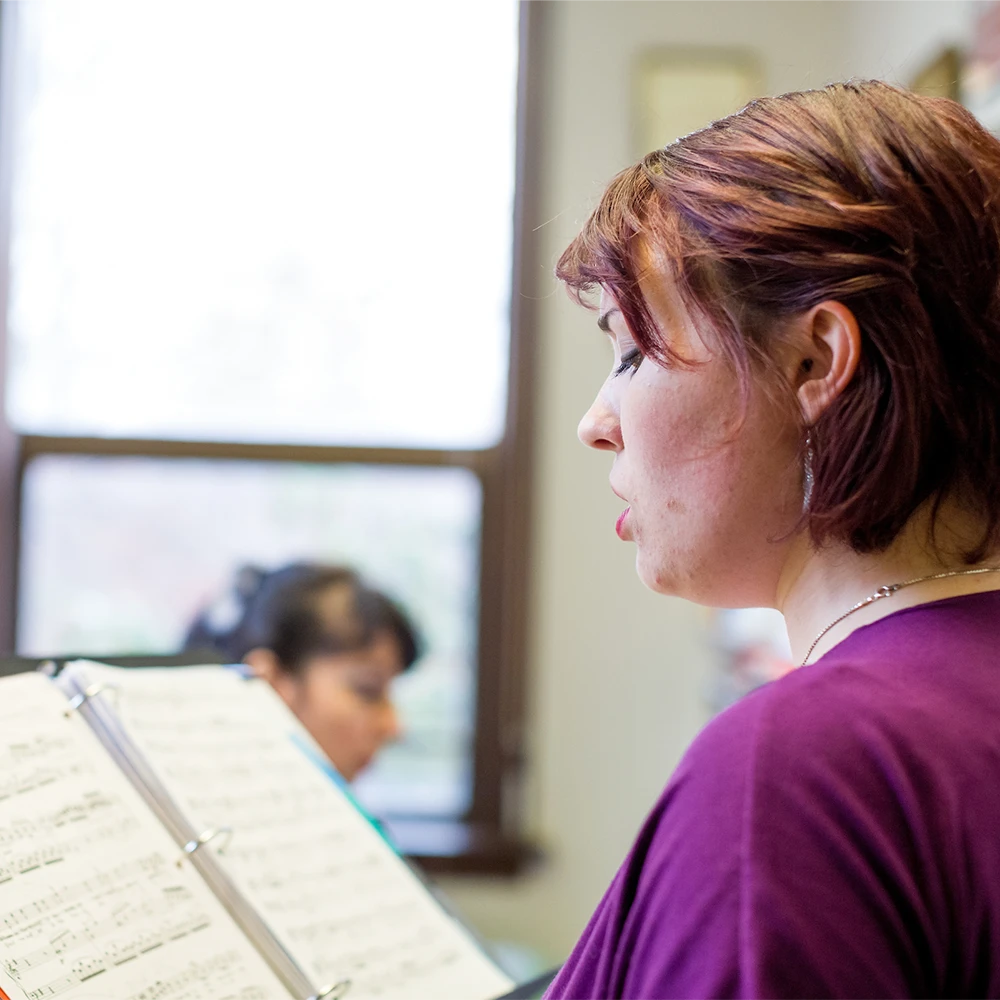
[{"x": 622, "y": 523}]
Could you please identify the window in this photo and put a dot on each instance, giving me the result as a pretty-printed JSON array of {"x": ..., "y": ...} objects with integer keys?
[{"x": 259, "y": 309}]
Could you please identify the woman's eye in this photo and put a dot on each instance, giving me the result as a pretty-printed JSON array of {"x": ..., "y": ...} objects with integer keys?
[
  {"x": 631, "y": 359},
  {"x": 370, "y": 693}
]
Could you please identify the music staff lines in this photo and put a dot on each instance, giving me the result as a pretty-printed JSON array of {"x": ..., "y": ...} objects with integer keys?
[
  {"x": 145, "y": 870},
  {"x": 189, "y": 984},
  {"x": 92, "y": 901},
  {"x": 62, "y": 833},
  {"x": 14, "y": 780}
]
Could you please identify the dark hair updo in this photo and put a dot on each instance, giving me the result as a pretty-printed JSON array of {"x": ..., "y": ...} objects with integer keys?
[{"x": 282, "y": 610}]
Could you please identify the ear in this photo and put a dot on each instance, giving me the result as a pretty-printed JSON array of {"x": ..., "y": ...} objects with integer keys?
[
  {"x": 264, "y": 664},
  {"x": 828, "y": 349}
]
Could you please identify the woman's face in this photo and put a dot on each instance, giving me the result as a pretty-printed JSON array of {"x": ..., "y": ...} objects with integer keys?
[
  {"x": 343, "y": 699},
  {"x": 710, "y": 488}
]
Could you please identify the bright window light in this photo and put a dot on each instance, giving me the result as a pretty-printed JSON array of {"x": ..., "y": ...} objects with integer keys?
[{"x": 280, "y": 223}]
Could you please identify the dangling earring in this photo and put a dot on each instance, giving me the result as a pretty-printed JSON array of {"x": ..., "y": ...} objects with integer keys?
[{"x": 807, "y": 473}]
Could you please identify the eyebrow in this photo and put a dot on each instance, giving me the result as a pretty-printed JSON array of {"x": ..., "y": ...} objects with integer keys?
[{"x": 603, "y": 320}]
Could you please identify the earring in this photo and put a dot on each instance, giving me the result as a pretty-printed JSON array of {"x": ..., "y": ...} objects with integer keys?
[{"x": 807, "y": 473}]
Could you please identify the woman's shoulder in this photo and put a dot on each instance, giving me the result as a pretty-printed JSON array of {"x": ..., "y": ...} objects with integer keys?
[
  {"x": 814, "y": 707},
  {"x": 922, "y": 680},
  {"x": 833, "y": 760},
  {"x": 778, "y": 746},
  {"x": 851, "y": 737}
]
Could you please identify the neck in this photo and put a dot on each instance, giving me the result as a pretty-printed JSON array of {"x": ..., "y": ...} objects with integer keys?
[{"x": 817, "y": 586}]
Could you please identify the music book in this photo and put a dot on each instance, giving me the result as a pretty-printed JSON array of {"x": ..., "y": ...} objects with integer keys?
[{"x": 174, "y": 834}]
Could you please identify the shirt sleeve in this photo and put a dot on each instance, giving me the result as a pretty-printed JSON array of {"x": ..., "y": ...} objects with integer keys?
[{"x": 779, "y": 862}]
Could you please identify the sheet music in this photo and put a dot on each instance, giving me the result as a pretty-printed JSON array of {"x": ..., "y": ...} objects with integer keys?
[
  {"x": 324, "y": 879},
  {"x": 93, "y": 904}
]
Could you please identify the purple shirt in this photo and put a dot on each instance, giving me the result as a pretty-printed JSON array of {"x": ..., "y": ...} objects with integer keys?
[{"x": 834, "y": 834}]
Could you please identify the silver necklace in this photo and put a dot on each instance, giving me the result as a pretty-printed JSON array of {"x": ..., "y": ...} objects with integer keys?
[{"x": 888, "y": 591}]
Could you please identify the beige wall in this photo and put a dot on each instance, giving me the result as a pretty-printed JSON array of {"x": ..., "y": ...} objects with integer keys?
[
  {"x": 617, "y": 674},
  {"x": 895, "y": 39}
]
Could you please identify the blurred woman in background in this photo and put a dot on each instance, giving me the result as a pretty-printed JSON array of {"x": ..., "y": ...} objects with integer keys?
[{"x": 329, "y": 645}]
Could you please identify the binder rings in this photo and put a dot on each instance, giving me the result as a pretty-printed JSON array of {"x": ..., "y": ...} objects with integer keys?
[{"x": 165, "y": 834}]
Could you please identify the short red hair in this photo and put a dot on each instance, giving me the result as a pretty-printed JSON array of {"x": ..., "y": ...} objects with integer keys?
[{"x": 860, "y": 192}]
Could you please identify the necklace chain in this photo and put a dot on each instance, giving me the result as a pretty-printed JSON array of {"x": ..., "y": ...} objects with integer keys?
[{"x": 888, "y": 591}]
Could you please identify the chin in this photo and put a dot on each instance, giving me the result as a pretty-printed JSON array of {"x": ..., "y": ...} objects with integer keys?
[
  {"x": 656, "y": 577},
  {"x": 347, "y": 771},
  {"x": 672, "y": 578},
  {"x": 359, "y": 769}
]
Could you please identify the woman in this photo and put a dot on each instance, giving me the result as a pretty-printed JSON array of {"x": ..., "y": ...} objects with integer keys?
[
  {"x": 804, "y": 413},
  {"x": 327, "y": 643}
]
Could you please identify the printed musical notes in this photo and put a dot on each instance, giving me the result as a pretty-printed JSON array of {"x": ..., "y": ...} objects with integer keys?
[
  {"x": 92, "y": 902},
  {"x": 193, "y": 979},
  {"x": 345, "y": 906}
]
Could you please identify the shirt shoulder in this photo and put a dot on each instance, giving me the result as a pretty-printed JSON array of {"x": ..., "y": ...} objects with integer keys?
[
  {"x": 816, "y": 839},
  {"x": 779, "y": 843},
  {"x": 789, "y": 729}
]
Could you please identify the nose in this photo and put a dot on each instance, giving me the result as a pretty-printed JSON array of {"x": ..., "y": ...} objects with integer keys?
[
  {"x": 600, "y": 427},
  {"x": 391, "y": 730}
]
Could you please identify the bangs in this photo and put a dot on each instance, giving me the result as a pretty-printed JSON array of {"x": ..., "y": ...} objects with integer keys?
[{"x": 608, "y": 253}]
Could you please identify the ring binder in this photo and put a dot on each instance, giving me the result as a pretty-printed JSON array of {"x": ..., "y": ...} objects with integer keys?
[
  {"x": 334, "y": 992},
  {"x": 90, "y": 692},
  {"x": 208, "y": 835},
  {"x": 49, "y": 668},
  {"x": 290, "y": 810}
]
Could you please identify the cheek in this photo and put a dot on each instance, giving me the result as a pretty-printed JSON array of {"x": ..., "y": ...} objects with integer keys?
[
  {"x": 711, "y": 483},
  {"x": 676, "y": 430},
  {"x": 335, "y": 705}
]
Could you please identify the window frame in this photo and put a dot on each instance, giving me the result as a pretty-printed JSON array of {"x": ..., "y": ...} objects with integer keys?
[{"x": 488, "y": 839}]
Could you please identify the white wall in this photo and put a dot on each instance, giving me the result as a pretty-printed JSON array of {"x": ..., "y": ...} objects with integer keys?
[{"x": 617, "y": 673}]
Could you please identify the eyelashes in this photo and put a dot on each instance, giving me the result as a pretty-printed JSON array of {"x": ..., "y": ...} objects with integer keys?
[
  {"x": 631, "y": 359},
  {"x": 372, "y": 694}
]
